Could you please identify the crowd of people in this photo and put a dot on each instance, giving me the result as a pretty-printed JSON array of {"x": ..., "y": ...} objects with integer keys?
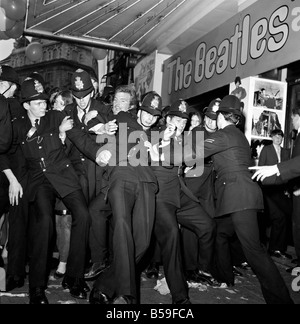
[{"x": 107, "y": 179}]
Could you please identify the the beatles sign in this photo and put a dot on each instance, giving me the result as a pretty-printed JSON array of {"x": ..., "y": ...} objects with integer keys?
[{"x": 264, "y": 36}]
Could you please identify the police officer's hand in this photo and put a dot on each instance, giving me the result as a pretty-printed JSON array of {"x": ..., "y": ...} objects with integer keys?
[
  {"x": 103, "y": 157},
  {"x": 89, "y": 116},
  {"x": 111, "y": 127},
  {"x": 15, "y": 191},
  {"x": 169, "y": 132},
  {"x": 66, "y": 124},
  {"x": 262, "y": 172}
]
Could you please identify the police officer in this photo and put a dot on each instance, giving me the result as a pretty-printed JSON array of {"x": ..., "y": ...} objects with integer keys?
[
  {"x": 198, "y": 256},
  {"x": 131, "y": 194},
  {"x": 50, "y": 175},
  {"x": 166, "y": 227},
  {"x": 8, "y": 83},
  {"x": 83, "y": 90},
  {"x": 238, "y": 199}
]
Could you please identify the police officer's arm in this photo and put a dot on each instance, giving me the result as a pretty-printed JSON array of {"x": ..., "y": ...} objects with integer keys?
[
  {"x": 82, "y": 140},
  {"x": 79, "y": 137},
  {"x": 5, "y": 126},
  {"x": 15, "y": 188},
  {"x": 216, "y": 143},
  {"x": 99, "y": 126},
  {"x": 287, "y": 170}
]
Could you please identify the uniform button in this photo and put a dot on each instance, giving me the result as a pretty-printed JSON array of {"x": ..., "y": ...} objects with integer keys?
[
  {"x": 40, "y": 147},
  {"x": 224, "y": 183},
  {"x": 67, "y": 165},
  {"x": 44, "y": 170},
  {"x": 51, "y": 134},
  {"x": 82, "y": 160}
]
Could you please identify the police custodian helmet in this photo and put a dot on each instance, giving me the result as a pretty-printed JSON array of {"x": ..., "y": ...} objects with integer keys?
[{"x": 230, "y": 104}]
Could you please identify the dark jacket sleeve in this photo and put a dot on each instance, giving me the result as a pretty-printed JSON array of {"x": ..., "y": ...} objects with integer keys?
[
  {"x": 290, "y": 169},
  {"x": 82, "y": 140},
  {"x": 5, "y": 126}
]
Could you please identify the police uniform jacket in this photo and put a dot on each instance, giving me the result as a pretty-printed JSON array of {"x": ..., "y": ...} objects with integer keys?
[
  {"x": 167, "y": 171},
  {"x": 15, "y": 108},
  {"x": 5, "y": 125},
  {"x": 127, "y": 147},
  {"x": 45, "y": 155},
  {"x": 231, "y": 156},
  {"x": 203, "y": 186},
  {"x": 81, "y": 163},
  {"x": 290, "y": 169}
]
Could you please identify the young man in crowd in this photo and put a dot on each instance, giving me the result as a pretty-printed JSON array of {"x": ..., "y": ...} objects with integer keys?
[{"x": 131, "y": 194}]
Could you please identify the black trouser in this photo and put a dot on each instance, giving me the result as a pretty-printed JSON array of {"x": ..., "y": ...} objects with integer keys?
[
  {"x": 133, "y": 206},
  {"x": 190, "y": 249},
  {"x": 192, "y": 216},
  {"x": 296, "y": 226},
  {"x": 18, "y": 238},
  {"x": 4, "y": 197},
  {"x": 167, "y": 233},
  {"x": 278, "y": 209},
  {"x": 4, "y": 207},
  {"x": 100, "y": 211},
  {"x": 41, "y": 228},
  {"x": 244, "y": 224}
]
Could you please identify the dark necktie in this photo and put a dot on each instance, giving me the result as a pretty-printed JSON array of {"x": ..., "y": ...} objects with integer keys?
[
  {"x": 83, "y": 117},
  {"x": 33, "y": 129}
]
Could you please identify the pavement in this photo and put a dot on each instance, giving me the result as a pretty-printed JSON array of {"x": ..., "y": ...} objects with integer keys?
[{"x": 245, "y": 291}]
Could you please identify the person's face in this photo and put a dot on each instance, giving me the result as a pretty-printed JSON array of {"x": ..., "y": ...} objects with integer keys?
[
  {"x": 84, "y": 102},
  {"x": 296, "y": 121},
  {"x": 96, "y": 85},
  {"x": 59, "y": 103},
  {"x": 220, "y": 120},
  {"x": 195, "y": 121},
  {"x": 36, "y": 108},
  {"x": 179, "y": 122},
  {"x": 146, "y": 120},
  {"x": 277, "y": 139},
  {"x": 121, "y": 102},
  {"x": 210, "y": 124}
]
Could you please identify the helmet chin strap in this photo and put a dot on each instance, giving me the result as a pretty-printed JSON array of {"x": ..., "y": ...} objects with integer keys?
[
  {"x": 6, "y": 91},
  {"x": 212, "y": 129}
]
